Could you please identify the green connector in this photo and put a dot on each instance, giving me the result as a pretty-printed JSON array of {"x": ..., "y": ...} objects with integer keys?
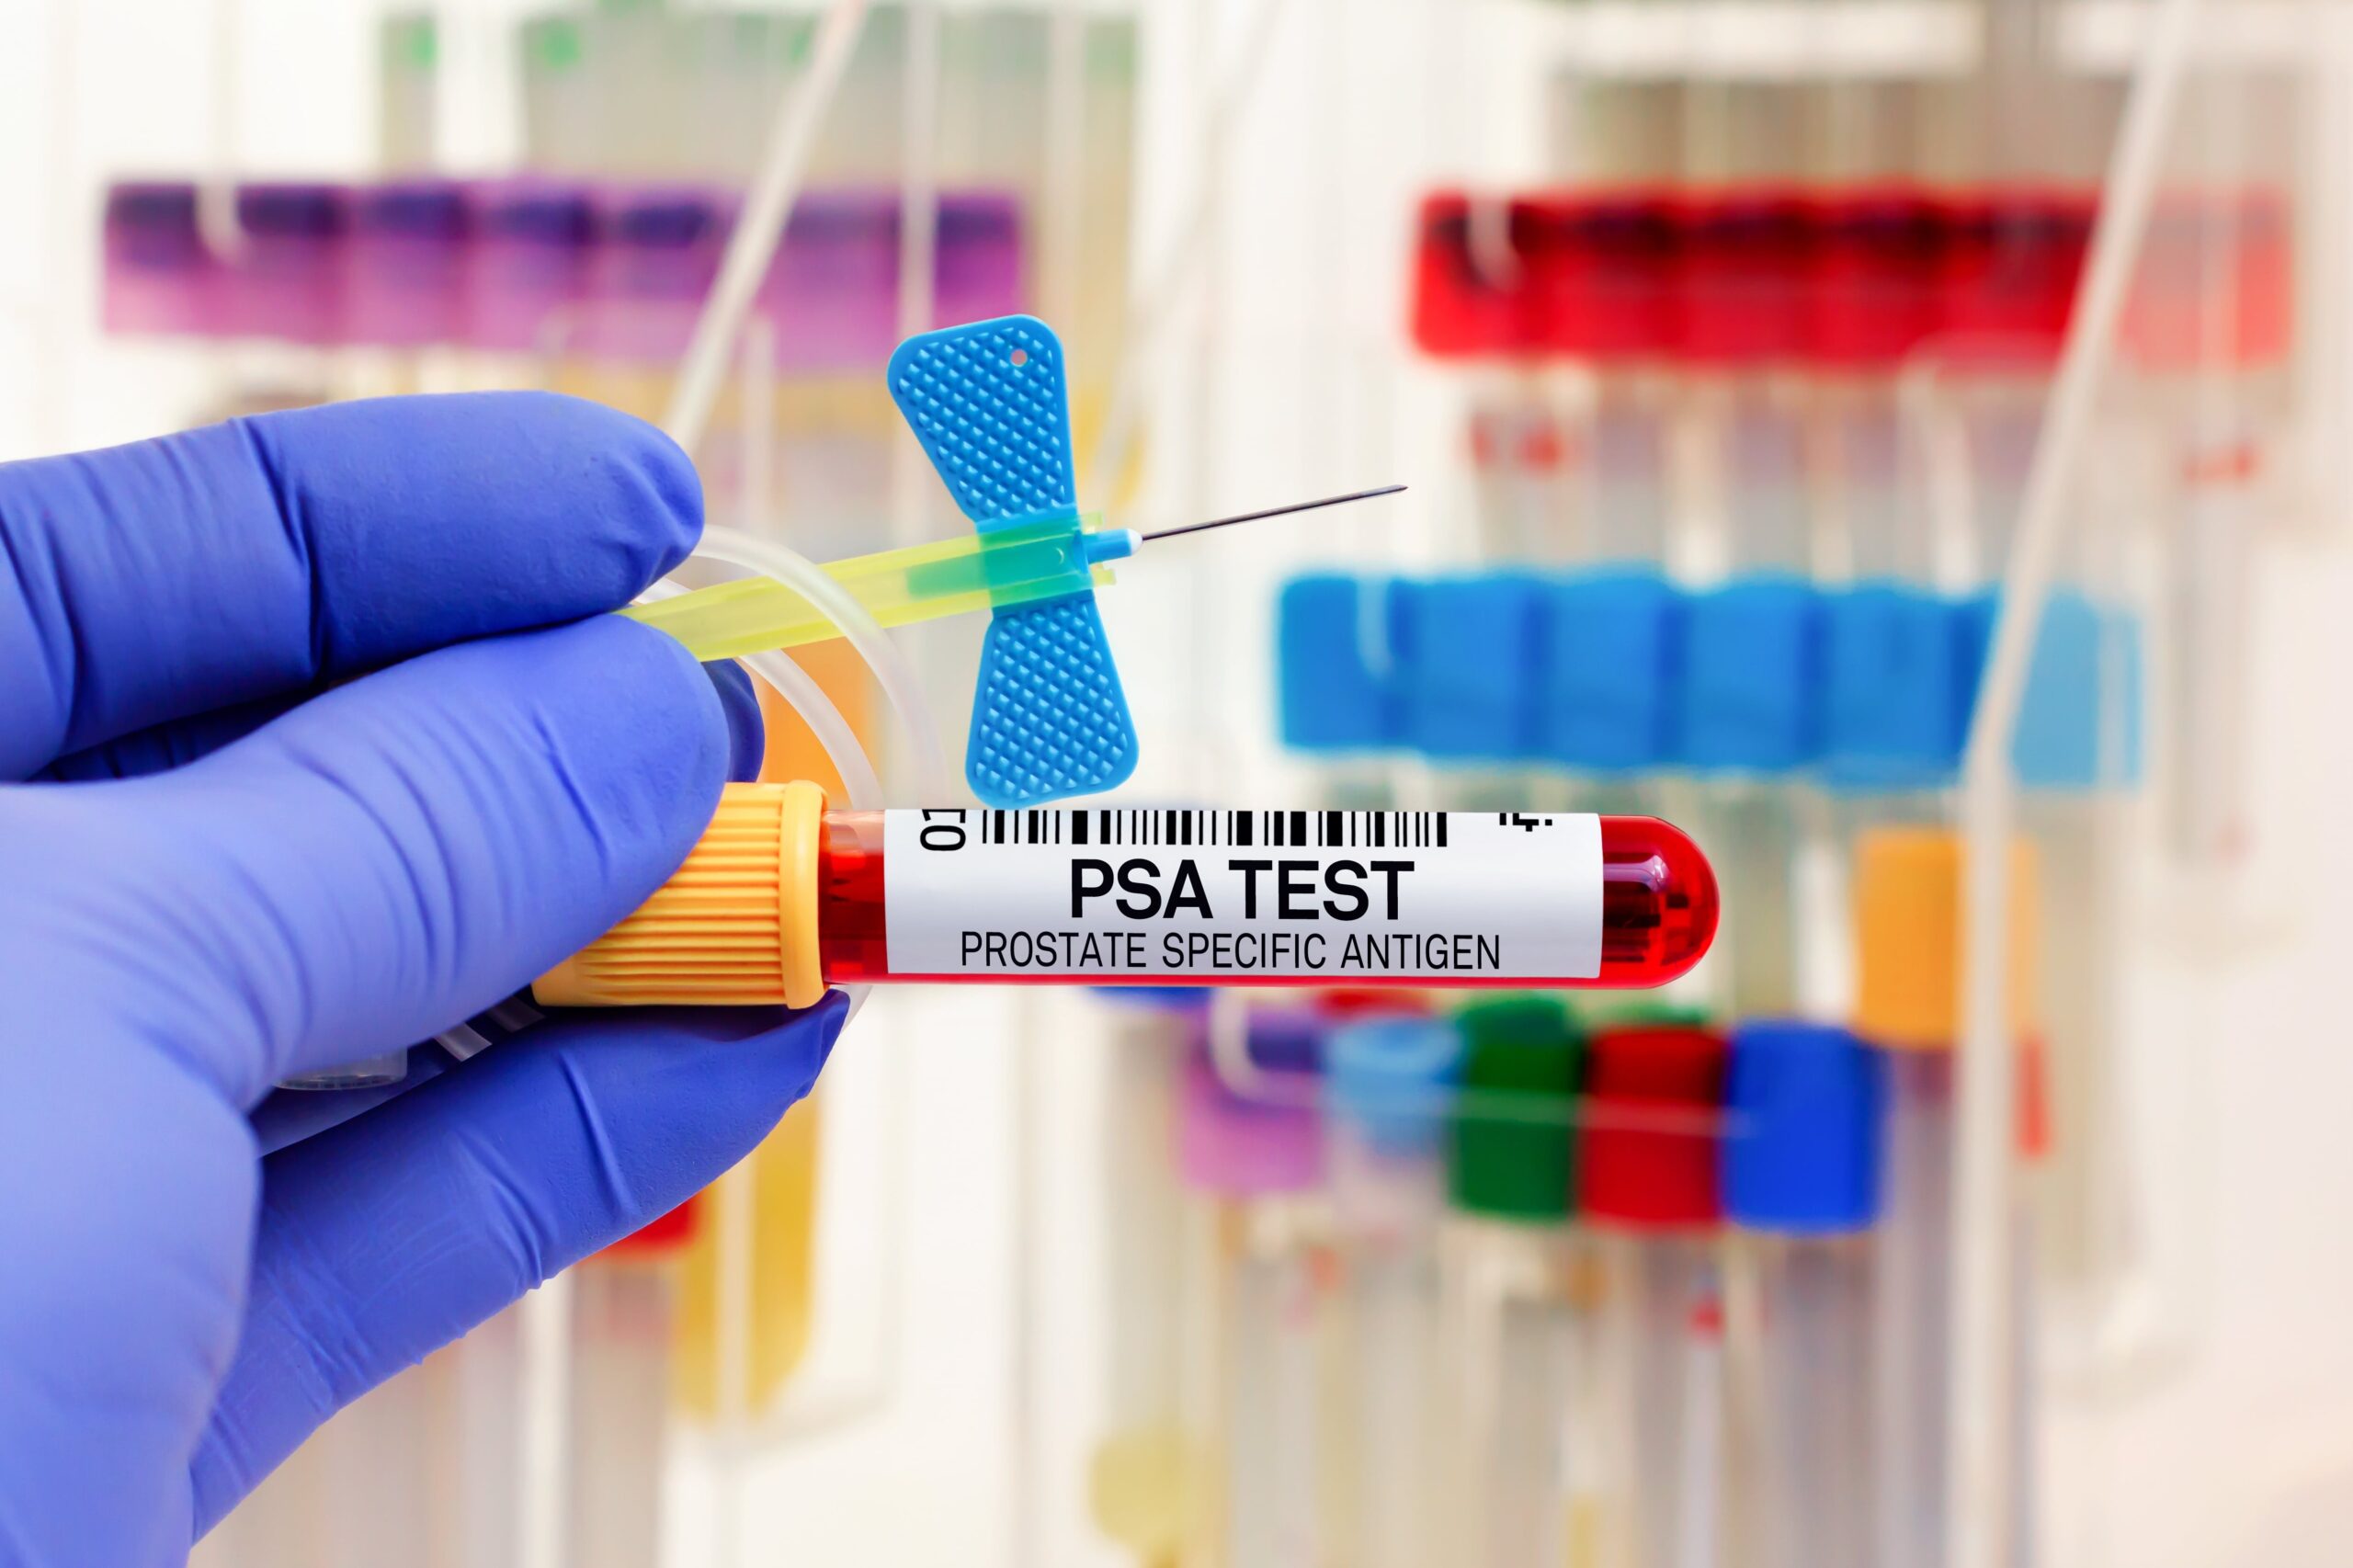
[{"x": 1021, "y": 564}]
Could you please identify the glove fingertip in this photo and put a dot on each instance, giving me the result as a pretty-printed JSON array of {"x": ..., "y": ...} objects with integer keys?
[
  {"x": 551, "y": 505},
  {"x": 739, "y": 706},
  {"x": 656, "y": 470}
]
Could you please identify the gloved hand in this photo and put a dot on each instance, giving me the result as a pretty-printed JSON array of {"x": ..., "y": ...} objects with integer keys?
[{"x": 328, "y": 747}]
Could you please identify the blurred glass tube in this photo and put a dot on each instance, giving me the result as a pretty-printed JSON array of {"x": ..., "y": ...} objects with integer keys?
[
  {"x": 1610, "y": 264},
  {"x": 624, "y": 1305},
  {"x": 634, "y": 54},
  {"x": 745, "y": 1299},
  {"x": 1652, "y": 1188},
  {"x": 525, "y": 289},
  {"x": 563, "y": 118},
  {"x": 1747, "y": 702},
  {"x": 1743, "y": 536},
  {"x": 1144, "y": 1479},
  {"x": 1335, "y": 673},
  {"x": 1517, "y": 444},
  {"x": 1513, "y": 1317},
  {"x": 1915, "y": 1321},
  {"x": 1805, "y": 1111},
  {"x": 1255, "y": 1167},
  {"x": 408, "y": 69},
  {"x": 1908, "y": 979},
  {"x": 1388, "y": 1082},
  {"x": 483, "y": 1432}
]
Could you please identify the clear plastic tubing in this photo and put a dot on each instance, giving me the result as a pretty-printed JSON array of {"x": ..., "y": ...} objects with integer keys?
[
  {"x": 890, "y": 669},
  {"x": 783, "y": 898}
]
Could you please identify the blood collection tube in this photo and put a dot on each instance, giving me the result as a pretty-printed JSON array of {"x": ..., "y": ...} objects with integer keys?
[
  {"x": 1253, "y": 1168},
  {"x": 1653, "y": 1191},
  {"x": 1801, "y": 1170},
  {"x": 1521, "y": 1481},
  {"x": 1145, "y": 1474},
  {"x": 1909, "y": 979},
  {"x": 624, "y": 1309},
  {"x": 160, "y": 277},
  {"x": 1389, "y": 1085},
  {"x": 782, "y": 898},
  {"x": 1337, "y": 698}
]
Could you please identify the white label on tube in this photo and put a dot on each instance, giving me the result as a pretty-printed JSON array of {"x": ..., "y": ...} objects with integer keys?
[{"x": 1210, "y": 896}]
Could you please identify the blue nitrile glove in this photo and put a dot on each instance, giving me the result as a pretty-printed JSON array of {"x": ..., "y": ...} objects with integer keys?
[{"x": 326, "y": 747}]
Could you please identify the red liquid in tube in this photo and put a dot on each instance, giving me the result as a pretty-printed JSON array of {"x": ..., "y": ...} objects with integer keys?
[{"x": 1657, "y": 903}]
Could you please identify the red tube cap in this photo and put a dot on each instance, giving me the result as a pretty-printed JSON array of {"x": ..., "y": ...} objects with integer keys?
[
  {"x": 2011, "y": 262},
  {"x": 1654, "y": 1100},
  {"x": 1747, "y": 277},
  {"x": 1471, "y": 292},
  {"x": 1878, "y": 263},
  {"x": 1606, "y": 273}
]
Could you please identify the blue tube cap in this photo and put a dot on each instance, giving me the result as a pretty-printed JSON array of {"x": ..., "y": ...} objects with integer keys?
[
  {"x": 1331, "y": 633},
  {"x": 1752, "y": 676},
  {"x": 1468, "y": 650},
  {"x": 1612, "y": 643},
  {"x": 1155, "y": 998},
  {"x": 1806, "y": 1106},
  {"x": 2079, "y": 720},
  {"x": 1392, "y": 1079},
  {"x": 1285, "y": 1039},
  {"x": 1897, "y": 675}
]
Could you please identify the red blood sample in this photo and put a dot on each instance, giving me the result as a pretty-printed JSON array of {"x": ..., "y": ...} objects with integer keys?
[{"x": 1658, "y": 914}]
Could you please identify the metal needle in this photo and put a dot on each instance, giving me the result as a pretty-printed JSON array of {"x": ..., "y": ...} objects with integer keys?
[{"x": 1275, "y": 512}]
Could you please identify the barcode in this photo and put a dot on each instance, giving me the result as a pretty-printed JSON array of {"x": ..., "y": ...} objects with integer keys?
[{"x": 1222, "y": 830}]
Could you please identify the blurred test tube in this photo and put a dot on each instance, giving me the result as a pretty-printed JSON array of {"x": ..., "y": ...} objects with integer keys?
[
  {"x": 160, "y": 277},
  {"x": 408, "y": 72},
  {"x": 1388, "y": 1084},
  {"x": 624, "y": 1303},
  {"x": 1653, "y": 1191},
  {"x": 1805, "y": 1106},
  {"x": 408, "y": 264},
  {"x": 525, "y": 289},
  {"x": 564, "y": 123},
  {"x": 1255, "y": 1167},
  {"x": 1146, "y": 1485},
  {"x": 1908, "y": 979},
  {"x": 280, "y": 293},
  {"x": 1743, "y": 536},
  {"x": 1525, "y": 1480},
  {"x": 1607, "y": 256}
]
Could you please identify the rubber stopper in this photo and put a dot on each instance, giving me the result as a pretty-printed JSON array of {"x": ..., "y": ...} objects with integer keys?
[
  {"x": 1653, "y": 1112},
  {"x": 1513, "y": 1147}
]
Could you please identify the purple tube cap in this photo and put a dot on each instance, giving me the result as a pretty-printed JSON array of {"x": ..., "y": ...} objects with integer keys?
[
  {"x": 530, "y": 210},
  {"x": 431, "y": 209},
  {"x": 294, "y": 209},
  {"x": 1243, "y": 1148},
  {"x": 664, "y": 217}
]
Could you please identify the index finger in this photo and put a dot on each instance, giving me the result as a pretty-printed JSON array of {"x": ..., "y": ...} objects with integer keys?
[{"x": 272, "y": 554}]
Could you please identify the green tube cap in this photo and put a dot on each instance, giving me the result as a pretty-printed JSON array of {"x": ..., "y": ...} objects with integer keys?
[{"x": 1514, "y": 1148}]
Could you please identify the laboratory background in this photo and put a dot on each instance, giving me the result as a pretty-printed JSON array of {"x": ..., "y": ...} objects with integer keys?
[{"x": 1903, "y": 443}]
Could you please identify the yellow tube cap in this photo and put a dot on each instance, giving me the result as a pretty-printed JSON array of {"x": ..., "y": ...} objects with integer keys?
[
  {"x": 735, "y": 925},
  {"x": 1909, "y": 963}
]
